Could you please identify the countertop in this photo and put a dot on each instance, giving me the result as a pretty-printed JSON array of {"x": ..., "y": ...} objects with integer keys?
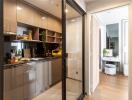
[{"x": 6, "y": 66}]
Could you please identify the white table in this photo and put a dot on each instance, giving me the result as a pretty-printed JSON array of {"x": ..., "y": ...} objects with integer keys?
[{"x": 111, "y": 59}]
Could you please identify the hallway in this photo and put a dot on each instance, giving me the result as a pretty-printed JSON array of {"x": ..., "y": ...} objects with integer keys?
[{"x": 111, "y": 88}]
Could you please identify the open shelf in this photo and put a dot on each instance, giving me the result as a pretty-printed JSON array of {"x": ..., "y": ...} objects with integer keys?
[
  {"x": 58, "y": 40},
  {"x": 27, "y": 41},
  {"x": 9, "y": 34},
  {"x": 58, "y": 35},
  {"x": 42, "y": 34},
  {"x": 50, "y": 36},
  {"x": 50, "y": 33},
  {"x": 37, "y": 35},
  {"x": 53, "y": 37},
  {"x": 50, "y": 39}
]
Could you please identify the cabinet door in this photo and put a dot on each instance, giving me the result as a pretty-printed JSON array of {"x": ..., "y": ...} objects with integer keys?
[
  {"x": 18, "y": 82},
  {"x": 40, "y": 78},
  {"x": 29, "y": 81},
  {"x": 57, "y": 26},
  {"x": 42, "y": 82},
  {"x": 56, "y": 69},
  {"x": 10, "y": 19},
  {"x": 46, "y": 75},
  {"x": 40, "y": 20},
  {"x": 8, "y": 85},
  {"x": 54, "y": 24},
  {"x": 44, "y": 21},
  {"x": 13, "y": 83},
  {"x": 25, "y": 14},
  {"x": 37, "y": 18}
]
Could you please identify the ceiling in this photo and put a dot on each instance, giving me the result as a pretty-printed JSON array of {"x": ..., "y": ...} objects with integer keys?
[
  {"x": 90, "y": 0},
  {"x": 51, "y": 6},
  {"x": 113, "y": 15}
]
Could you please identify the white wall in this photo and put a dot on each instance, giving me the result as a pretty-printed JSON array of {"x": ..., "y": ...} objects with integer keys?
[
  {"x": 92, "y": 8},
  {"x": 103, "y": 37},
  {"x": 94, "y": 52},
  {"x": 130, "y": 50},
  {"x": 87, "y": 53}
]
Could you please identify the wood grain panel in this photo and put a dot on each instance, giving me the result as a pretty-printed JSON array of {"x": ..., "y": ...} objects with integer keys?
[
  {"x": 56, "y": 71},
  {"x": 30, "y": 15},
  {"x": 10, "y": 18},
  {"x": 25, "y": 15},
  {"x": 54, "y": 25}
]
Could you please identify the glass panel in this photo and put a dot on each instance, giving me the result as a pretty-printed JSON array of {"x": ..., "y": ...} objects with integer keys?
[{"x": 74, "y": 52}]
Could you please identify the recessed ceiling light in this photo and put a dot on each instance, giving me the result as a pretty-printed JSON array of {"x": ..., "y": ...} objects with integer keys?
[
  {"x": 66, "y": 10},
  {"x": 19, "y": 8},
  {"x": 43, "y": 17},
  {"x": 73, "y": 20}
]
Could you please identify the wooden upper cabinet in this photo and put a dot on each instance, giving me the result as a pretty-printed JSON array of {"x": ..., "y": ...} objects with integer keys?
[
  {"x": 25, "y": 13},
  {"x": 54, "y": 24},
  {"x": 44, "y": 21},
  {"x": 41, "y": 20},
  {"x": 10, "y": 16},
  {"x": 29, "y": 15},
  {"x": 37, "y": 19}
]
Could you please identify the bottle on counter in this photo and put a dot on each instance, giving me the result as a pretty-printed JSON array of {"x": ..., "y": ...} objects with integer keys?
[
  {"x": 30, "y": 35},
  {"x": 13, "y": 58},
  {"x": 8, "y": 58}
]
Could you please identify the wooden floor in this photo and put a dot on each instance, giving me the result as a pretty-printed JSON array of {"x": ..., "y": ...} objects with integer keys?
[
  {"x": 111, "y": 88},
  {"x": 73, "y": 91}
]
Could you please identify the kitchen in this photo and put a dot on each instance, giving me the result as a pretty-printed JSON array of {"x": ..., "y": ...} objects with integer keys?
[{"x": 32, "y": 50}]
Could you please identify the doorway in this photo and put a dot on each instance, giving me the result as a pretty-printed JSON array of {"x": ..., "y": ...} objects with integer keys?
[{"x": 109, "y": 50}]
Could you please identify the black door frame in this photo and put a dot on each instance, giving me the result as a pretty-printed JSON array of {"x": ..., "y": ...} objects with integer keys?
[
  {"x": 1, "y": 49},
  {"x": 75, "y": 6}
]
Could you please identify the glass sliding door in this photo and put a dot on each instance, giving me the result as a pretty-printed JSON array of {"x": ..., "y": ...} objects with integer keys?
[
  {"x": 74, "y": 53},
  {"x": 73, "y": 58}
]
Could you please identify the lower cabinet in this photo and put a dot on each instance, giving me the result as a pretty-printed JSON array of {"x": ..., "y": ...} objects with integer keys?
[
  {"x": 26, "y": 81},
  {"x": 55, "y": 71},
  {"x": 18, "y": 82},
  {"x": 42, "y": 76},
  {"x": 29, "y": 81},
  {"x": 8, "y": 84},
  {"x": 13, "y": 83}
]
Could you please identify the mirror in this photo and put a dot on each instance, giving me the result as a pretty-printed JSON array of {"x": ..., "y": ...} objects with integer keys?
[{"x": 112, "y": 37}]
